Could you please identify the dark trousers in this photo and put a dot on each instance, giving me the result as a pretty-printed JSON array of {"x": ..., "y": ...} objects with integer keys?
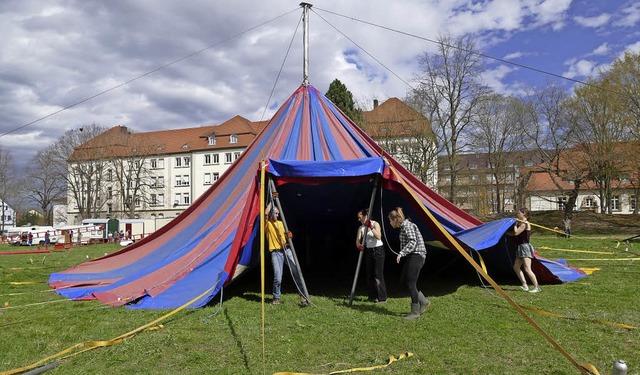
[
  {"x": 376, "y": 286},
  {"x": 410, "y": 274}
]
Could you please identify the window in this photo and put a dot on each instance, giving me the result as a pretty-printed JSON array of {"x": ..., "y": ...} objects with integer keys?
[
  {"x": 216, "y": 159},
  {"x": 185, "y": 198},
  {"x": 178, "y": 162},
  {"x": 228, "y": 158},
  {"x": 211, "y": 140},
  {"x": 109, "y": 208},
  {"x": 207, "y": 178},
  {"x": 176, "y": 200},
  {"x": 157, "y": 163},
  {"x": 182, "y": 180},
  {"x": 615, "y": 203},
  {"x": 588, "y": 202},
  {"x": 160, "y": 181},
  {"x": 161, "y": 200},
  {"x": 154, "y": 200},
  {"x": 562, "y": 201},
  {"x": 137, "y": 201},
  {"x": 109, "y": 175},
  {"x": 233, "y": 138},
  {"x": 216, "y": 176},
  {"x": 109, "y": 192},
  {"x": 632, "y": 202},
  {"x": 473, "y": 166},
  {"x": 236, "y": 155},
  {"x": 207, "y": 159},
  {"x": 187, "y": 161}
]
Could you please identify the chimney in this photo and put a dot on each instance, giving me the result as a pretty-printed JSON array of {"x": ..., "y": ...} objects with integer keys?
[{"x": 375, "y": 103}]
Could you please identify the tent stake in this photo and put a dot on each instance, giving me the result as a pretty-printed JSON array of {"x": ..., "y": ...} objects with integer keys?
[{"x": 355, "y": 277}]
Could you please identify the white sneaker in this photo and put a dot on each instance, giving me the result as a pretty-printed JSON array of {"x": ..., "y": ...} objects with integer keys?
[
  {"x": 525, "y": 288},
  {"x": 535, "y": 290}
]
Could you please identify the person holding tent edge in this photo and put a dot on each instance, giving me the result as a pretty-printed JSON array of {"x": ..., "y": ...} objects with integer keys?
[
  {"x": 412, "y": 247},
  {"x": 369, "y": 239},
  {"x": 524, "y": 253},
  {"x": 280, "y": 252}
]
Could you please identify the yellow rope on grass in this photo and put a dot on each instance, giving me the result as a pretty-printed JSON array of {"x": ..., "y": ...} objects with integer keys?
[
  {"x": 575, "y": 251},
  {"x": 392, "y": 359},
  {"x": 599, "y": 321}
]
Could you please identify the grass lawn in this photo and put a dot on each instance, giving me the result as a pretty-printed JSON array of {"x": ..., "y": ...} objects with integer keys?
[{"x": 470, "y": 329}]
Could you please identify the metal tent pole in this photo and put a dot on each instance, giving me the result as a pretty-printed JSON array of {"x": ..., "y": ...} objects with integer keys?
[
  {"x": 305, "y": 43},
  {"x": 304, "y": 291},
  {"x": 355, "y": 277}
]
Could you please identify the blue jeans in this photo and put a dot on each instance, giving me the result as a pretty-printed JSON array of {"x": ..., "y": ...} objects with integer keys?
[{"x": 278, "y": 260}]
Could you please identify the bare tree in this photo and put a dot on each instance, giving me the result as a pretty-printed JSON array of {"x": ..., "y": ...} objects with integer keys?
[
  {"x": 128, "y": 156},
  {"x": 80, "y": 161},
  {"x": 8, "y": 184},
  {"x": 450, "y": 91},
  {"x": 623, "y": 78},
  {"x": 42, "y": 184},
  {"x": 598, "y": 128},
  {"x": 498, "y": 133},
  {"x": 548, "y": 131}
]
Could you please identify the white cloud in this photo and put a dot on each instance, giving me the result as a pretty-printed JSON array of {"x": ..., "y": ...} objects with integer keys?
[
  {"x": 597, "y": 21},
  {"x": 514, "y": 55},
  {"x": 633, "y": 48},
  {"x": 579, "y": 69},
  {"x": 630, "y": 15},
  {"x": 602, "y": 49}
]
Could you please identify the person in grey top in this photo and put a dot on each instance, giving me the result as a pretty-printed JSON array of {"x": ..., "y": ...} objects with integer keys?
[{"x": 412, "y": 248}]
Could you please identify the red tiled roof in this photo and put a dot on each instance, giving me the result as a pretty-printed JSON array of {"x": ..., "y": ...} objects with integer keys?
[
  {"x": 394, "y": 118},
  {"x": 119, "y": 142}
]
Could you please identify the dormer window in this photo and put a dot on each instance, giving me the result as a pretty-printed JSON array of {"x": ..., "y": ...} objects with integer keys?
[
  {"x": 233, "y": 138},
  {"x": 211, "y": 140}
]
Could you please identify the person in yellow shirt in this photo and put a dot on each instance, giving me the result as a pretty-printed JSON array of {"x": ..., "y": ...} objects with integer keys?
[{"x": 280, "y": 253}]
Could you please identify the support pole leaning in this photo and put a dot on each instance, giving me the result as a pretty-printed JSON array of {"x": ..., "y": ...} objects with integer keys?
[{"x": 358, "y": 265}]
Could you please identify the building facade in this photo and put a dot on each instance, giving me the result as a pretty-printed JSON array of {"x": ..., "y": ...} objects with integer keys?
[
  {"x": 406, "y": 135},
  {"x": 177, "y": 167},
  {"x": 7, "y": 216}
]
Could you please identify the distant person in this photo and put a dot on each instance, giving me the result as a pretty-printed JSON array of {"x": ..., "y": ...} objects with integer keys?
[
  {"x": 368, "y": 239},
  {"x": 280, "y": 254},
  {"x": 79, "y": 237},
  {"x": 567, "y": 226},
  {"x": 524, "y": 253},
  {"x": 30, "y": 238},
  {"x": 47, "y": 238},
  {"x": 413, "y": 249}
]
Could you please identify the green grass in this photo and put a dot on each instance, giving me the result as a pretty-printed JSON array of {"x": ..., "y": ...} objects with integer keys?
[{"x": 469, "y": 329}]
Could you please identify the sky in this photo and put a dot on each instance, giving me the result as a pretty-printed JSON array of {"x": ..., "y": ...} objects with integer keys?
[{"x": 152, "y": 65}]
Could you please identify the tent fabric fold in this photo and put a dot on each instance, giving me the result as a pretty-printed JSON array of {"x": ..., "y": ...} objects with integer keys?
[{"x": 315, "y": 154}]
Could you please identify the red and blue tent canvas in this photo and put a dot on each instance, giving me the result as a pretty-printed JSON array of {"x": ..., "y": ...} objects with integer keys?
[{"x": 325, "y": 168}]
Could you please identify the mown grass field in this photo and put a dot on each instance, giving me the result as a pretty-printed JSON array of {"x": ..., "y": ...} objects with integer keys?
[{"x": 470, "y": 329}]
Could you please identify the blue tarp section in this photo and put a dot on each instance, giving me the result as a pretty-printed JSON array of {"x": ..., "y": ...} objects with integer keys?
[
  {"x": 341, "y": 168},
  {"x": 486, "y": 235}
]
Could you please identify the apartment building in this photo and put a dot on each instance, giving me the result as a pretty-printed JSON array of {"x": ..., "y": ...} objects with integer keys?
[{"x": 157, "y": 175}]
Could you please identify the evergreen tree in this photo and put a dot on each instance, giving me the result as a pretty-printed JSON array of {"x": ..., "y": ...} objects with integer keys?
[{"x": 342, "y": 97}]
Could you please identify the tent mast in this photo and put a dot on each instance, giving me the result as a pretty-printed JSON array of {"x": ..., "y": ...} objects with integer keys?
[{"x": 305, "y": 43}]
